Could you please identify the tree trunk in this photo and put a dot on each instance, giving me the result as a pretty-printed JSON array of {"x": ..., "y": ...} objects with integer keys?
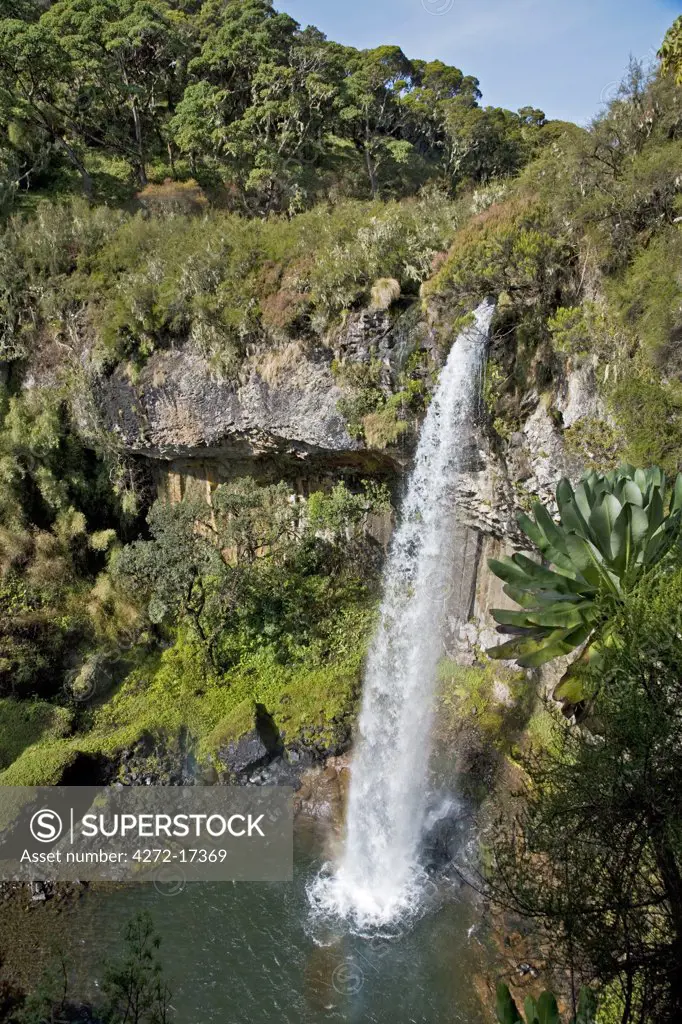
[
  {"x": 78, "y": 164},
  {"x": 171, "y": 160},
  {"x": 141, "y": 170},
  {"x": 371, "y": 171}
]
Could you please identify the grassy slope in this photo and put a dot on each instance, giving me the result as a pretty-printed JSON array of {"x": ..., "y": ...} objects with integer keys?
[{"x": 176, "y": 690}]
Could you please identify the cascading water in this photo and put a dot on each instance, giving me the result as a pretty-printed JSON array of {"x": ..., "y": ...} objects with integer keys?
[{"x": 377, "y": 881}]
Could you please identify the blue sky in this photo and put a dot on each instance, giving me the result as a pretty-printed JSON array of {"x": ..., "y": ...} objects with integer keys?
[{"x": 565, "y": 56}]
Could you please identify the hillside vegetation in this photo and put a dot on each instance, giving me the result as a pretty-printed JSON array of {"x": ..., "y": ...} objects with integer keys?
[{"x": 211, "y": 176}]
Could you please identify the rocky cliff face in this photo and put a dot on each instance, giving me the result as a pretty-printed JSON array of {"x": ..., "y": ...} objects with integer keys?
[
  {"x": 279, "y": 420},
  {"x": 180, "y": 409},
  {"x": 511, "y": 474}
]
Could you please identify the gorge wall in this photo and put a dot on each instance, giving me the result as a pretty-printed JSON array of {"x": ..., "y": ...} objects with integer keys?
[{"x": 282, "y": 420}]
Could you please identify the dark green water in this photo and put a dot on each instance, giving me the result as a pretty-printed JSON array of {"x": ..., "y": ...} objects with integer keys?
[{"x": 250, "y": 954}]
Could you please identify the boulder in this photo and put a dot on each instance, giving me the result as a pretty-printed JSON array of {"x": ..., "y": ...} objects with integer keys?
[{"x": 255, "y": 748}]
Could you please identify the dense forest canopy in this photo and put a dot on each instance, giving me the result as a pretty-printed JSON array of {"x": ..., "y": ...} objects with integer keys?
[{"x": 240, "y": 96}]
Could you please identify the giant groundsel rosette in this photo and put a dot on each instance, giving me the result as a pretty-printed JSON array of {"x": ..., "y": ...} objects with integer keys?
[{"x": 611, "y": 529}]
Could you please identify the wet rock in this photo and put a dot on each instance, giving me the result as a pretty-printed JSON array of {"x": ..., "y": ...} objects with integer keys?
[
  {"x": 323, "y": 791},
  {"x": 279, "y": 772},
  {"x": 156, "y": 761},
  {"x": 247, "y": 753},
  {"x": 255, "y": 749}
]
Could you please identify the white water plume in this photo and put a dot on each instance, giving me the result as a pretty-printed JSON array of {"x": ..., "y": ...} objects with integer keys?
[{"x": 378, "y": 880}]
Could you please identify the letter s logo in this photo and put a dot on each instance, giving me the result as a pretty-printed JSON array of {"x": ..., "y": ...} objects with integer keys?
[{"x": 46, "y": 826}]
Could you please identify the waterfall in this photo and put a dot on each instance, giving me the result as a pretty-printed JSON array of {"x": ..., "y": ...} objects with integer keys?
[{"x": 377, "y": 880}]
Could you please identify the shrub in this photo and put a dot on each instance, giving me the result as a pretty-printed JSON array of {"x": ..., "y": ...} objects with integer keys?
[
  {"x": 383, "y": 428},
  {"x": 385, "y": 292},
  {"x": 648, "y": 410}
]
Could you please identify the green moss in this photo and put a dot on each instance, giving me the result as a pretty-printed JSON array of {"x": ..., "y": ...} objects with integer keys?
[
  {"x": 23, "y": 724},
  {"x": 597, "y": 444},
  {"x": 485, "y": 695},
  {"x": 649, "y": 412},
  {"x": 176, "y": 691},
  {"x": 317, "y": 707},
  {"x": 542, "y": 732},
  {"x": 236, "y": 724},
  {"x": 43, "y": 764},
  {"x": 383, "y": 428}
]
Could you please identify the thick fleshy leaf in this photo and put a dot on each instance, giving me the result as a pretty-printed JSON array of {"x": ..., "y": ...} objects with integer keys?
[
  {"x": 536, "y": 652},
  {"x": 571, "y": 689},
  {"x": 545, "y": 578},
  {"x": 639, "y": 526},
  {"x": 612, "y": 526},
  {"x": 621, "y": 540},
  {"x": 580, "y": 634},
  {"x": 527, "y": 632},
  {"x": 631, "y": 493},
  {"x": 564, "y": 492},
  {"x": 548, "y": 1011},
  {"x": 676, "y": 504},
  {"x": 655, "y": 511},
  {"x": 524, "y": 598},
  {"x": 602, "y": 521},
  {"x": 516, "y": 650},
  {"x": 506, "y": 1010},
  {"x": 532, "y": 531},
  {"x": 566, "y": 616},
  {"x": 507, "y": 617},
  {"x": 574, "y": 521},
  {"x": 555, "y": 648},
  {"x": 641, "y": 480},
  {"x": 555, "y": 551},
  {"x": 587, "y": 1006},
  {"x": 657, "y": 545},
  {"x": 586, "y": 558},
  {"x": 530, "y": 1009},
  {"x": 536, "y": 595},
  {"x": 585, "y": 499},
  {"x": 550, "y": 529},
  {"x": 508, "y": 571},
  {"x": 570, "y": 616}
]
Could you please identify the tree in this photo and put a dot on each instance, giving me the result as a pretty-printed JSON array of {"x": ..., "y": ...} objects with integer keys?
[
  {"x": 260, "y": 100},
  {"x": 612, "y": 530},
  {"x": 593, "y": 852},
  {"x": 36, "y": 80},
  {"x": 481, "y": 144},
  {"x": 671, "y": 51},
  {"x": 12, "y": 1000},
  {"x": 437, "y": 89},
  {"x": 208, "y": 564},
  {"x": 371, "y": 110},
  {"x": 134, "y": 988},
  {"x": 124, "y": 58}
]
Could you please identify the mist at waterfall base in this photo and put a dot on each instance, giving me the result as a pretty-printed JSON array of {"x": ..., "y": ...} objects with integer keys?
[{"x": 380, "y": 878}]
